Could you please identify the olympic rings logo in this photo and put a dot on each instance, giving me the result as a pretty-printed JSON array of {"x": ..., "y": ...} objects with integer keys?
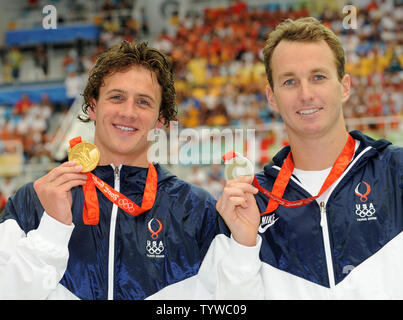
[
  {"x": 126, "y": 205},
  {"x": 152, "y": 247},
  {"x": 365, "y": 211}
]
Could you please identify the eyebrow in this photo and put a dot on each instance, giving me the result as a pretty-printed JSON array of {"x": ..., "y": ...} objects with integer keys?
[
  {"x": 291, "y": 74},
  {"x": 143, "y": 95},
  {"x": 115, "y": 90}
]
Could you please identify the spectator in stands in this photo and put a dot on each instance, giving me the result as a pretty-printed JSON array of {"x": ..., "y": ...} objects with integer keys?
[
  {"x": 5, "y": 133},
  {"x": 41, "y": 150},
  {"x": 73, "y": 84},
  {"x": 107, "y": 7},
  {"x": 46, "y": 107},
  {"x": 41, "y": 60},
  {"x": 7, "y": 72},
  {"x": 68, "y": 62},
  {"x": 14, "y": 58},
  {"x": 217, "y": 116},
  {"x": 8, "y": 186},
  {"x": 144, "y": 22},
  {"x": 3, "y": 201},
  {"x": 23, "y": 105}
]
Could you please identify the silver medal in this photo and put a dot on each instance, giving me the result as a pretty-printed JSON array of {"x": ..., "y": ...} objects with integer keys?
[{"x": 239, "y": 166}]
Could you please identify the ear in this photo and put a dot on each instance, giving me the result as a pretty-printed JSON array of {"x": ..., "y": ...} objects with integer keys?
[
  {"x": 345, "y": 87},
  {"x": 92, "y": 109},
  {"x": 160, "y": 123},
  {"x": 271, "y": 98}
]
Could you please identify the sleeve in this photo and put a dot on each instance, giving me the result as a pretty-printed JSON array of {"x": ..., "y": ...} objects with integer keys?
[
  {"x": 32, "y": 263},
  {"x": 230, "y": 271}
]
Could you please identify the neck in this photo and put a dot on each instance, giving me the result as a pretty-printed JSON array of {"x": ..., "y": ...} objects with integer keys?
[
  {"x": 317, "y": 153},
  {"x": 122, "y": 160}
]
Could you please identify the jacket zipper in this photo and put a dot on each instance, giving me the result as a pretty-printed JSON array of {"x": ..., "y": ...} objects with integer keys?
[
  {"x": 326, "y": 241},
  {"x": 111, "y": 255},
  {"x": 323, "y": 217}
]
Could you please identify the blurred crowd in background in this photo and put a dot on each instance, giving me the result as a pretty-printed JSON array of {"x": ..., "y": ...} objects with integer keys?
[{"x": 219, "y": 72}]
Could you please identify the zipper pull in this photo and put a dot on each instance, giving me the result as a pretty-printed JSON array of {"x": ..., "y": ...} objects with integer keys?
[
  {"x": 322, "y": 214},
  {"x": 117, "y": 173}
]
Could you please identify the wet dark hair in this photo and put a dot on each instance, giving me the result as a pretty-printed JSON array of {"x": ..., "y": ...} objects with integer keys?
[{"x": 123, "y": 56}]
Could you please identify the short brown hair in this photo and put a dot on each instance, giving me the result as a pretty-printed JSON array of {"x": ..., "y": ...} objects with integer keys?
[
  {"x": 305, "y": 30},
  {"x": 123, "y": 56}
]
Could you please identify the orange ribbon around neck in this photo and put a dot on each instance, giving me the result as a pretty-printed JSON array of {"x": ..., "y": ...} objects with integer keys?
[
  {"x": 285, "y": 173},
  {"x": 91, "y": 206}
]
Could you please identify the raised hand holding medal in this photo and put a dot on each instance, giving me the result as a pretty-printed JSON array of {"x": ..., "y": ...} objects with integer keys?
[
  {"x": 84, "y": 153},
  {"x": 237, "y": 205},
  {"x": 54, "y": 190},
  {"x": 88, "y": 156}
]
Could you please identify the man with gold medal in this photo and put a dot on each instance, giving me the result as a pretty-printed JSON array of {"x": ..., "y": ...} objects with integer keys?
[{"x": 109, "y": 224}]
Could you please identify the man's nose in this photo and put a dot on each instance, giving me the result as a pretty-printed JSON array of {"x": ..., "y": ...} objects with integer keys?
[
  {"x": 129, "y": 110},
  {"x": 306, "y": 91}
]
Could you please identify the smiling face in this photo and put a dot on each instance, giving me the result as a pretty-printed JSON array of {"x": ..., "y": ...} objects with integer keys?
[
  {"x": 306, "y": 90},
  {"x": 126, "y": 110}
]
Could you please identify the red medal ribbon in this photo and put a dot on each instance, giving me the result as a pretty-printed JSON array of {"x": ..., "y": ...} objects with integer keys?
[
  {"x": 91, "y": 206},
  {"x": 285, "y": 173}
]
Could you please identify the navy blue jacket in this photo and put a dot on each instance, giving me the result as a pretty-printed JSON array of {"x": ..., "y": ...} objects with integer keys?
[
  {"x": 160, "y": 247},
  {"x": 357, "y": 226}
]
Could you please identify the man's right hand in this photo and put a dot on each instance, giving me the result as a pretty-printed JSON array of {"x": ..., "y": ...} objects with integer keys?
[
  {"x": 54, "y": 190},
  {"x": 237, "y": 206}
]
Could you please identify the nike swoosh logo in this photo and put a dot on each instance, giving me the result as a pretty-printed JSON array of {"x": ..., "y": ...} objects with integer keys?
[{"x": 263, "y": 229}]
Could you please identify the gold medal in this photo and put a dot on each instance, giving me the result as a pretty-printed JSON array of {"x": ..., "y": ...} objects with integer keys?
[{"x": 86, "y": 154}]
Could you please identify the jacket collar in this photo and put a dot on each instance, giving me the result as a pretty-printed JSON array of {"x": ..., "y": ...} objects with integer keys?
[
  {"x": 365, "y": 141},
  {"x": 136, "y": 175}
]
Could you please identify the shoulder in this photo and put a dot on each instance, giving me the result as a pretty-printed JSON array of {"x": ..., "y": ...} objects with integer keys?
[
  {"x": 392, "y": 156},
  {"x": 178, "y": 188},
  {"x": 268, "y": 174},
  {"x": 395, "y": 151},
  {"x": 25, "y": 207},
  {"x": 181, "y": 190}
]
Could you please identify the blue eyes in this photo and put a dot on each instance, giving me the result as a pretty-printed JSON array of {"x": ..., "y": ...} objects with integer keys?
[
  {"x": 319, "y": 77},
  {"x": 288, "y": 82},
  {"x": 292, "y": 82},
  {"x": 143, "y": 102},
  {"x": 140, "y": 102}
]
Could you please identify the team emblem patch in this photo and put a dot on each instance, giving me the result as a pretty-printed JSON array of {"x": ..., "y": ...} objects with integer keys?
[
  {"x": 365, "y": 211},
  {"x": 155, "y": 248}
]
